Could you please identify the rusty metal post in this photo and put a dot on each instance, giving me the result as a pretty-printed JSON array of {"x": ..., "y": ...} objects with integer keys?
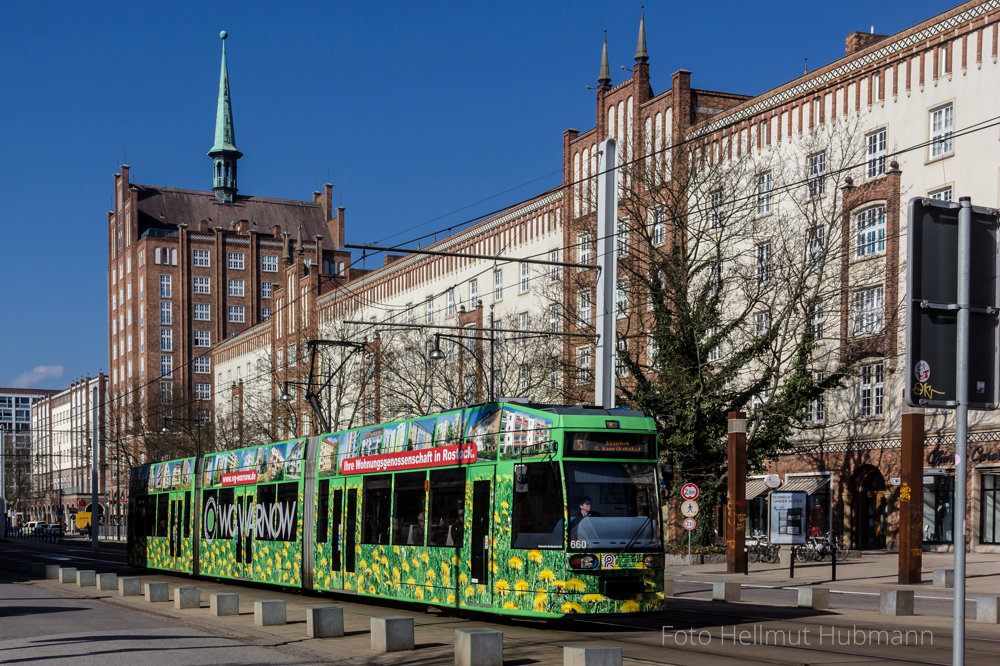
[
  {"x": 736, "y": 507},
  {"x": 911, "y": 494}
]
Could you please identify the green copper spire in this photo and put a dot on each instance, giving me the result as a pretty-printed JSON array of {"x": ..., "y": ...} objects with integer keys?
[
  {"x": 641, "y": 57},
  {"x": 224, "y": 153},
  {"x": 604, "y": 78}
]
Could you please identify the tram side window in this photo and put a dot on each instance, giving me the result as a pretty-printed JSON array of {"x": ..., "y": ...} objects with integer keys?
[
  {"x": 447, "y": 508},
  {"x": 162, "y": 507},
  {"x": 410, "y": 496},
  {"x": 537, "y": 509},
  {"x": 288, "y": 498},
  {"x": 323, "y": 511},
  {"x": 375, "y": 507},
  {"x": 187, "y": 515},
  {"x": 149, "y": 516}
]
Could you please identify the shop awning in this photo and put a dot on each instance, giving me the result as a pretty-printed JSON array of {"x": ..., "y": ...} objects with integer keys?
[
  {"x": 755, "y": 487},
  {"x": 807, "y": 484}
]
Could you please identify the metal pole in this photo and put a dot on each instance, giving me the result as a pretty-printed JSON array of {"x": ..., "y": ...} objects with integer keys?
[
  {"x": 607, "y": 227},
  {"x": 118, "y": 484},
  {"x": 961, "y": 425},
  {"x": 3, "y": 484},
  {"x": 95, "y": 451},
  {"x": 492, "y": 373}
]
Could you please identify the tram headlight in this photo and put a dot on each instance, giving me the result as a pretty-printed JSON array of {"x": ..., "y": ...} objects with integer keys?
[
  {"x": 583, "y": 561},
  {"x": 653, "y": 561}
]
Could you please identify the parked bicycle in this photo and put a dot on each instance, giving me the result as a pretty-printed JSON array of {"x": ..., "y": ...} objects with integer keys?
[
  {"x": 819, "y": 548},
  {"x": 759, "y": 550}
]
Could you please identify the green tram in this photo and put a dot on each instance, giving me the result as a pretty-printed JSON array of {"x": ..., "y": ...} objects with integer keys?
[{"x": 480, "y": 508}]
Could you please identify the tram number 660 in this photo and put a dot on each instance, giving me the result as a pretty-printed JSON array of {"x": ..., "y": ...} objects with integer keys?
[{"x": 577, "y": 544}]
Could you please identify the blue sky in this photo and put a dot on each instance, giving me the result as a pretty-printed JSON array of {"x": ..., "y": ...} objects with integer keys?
[{"x": 421, "y": 114}]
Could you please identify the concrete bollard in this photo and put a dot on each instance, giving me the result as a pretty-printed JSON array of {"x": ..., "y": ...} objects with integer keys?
[
  {"x": 224, "y": 604},
  {"x": 392, "y": 634},
  {"x": 67, "y": 574},
  {"x": 723, "y": 591},
  {"x": 944, "y": 578},
  {"x": 988, "y": 609},
  {"x": 268, "y": 612},
  {"x": 187, "y": 597},
  {"x": 86, "y": 578},
  {"x": 325, "y": 622},
  {"x": 478, "y": 647},
  {"x": 896, "y": 602},
  {"x": 814, "y": 597},
  {"x": 130, "y": 587},
  {"x": 52, "y": 571},
  {"x": 668, "y": 587},
  {"x": 157, "y": 592},
  {"x": 592, "y": 655},
  {"x": 785, "y": 558},
  {"x": 107, "y": 581}
]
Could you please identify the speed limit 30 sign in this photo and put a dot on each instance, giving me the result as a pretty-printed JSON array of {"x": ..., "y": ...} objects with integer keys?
[{"x": 689, "y": 491}]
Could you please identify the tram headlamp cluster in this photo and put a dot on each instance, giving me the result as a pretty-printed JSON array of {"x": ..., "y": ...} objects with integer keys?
[
  {"x": 653, "y": 561},
  {"x": 584, "y": 561}
]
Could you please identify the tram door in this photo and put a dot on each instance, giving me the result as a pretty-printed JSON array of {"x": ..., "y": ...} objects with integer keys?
[
  {"x": 334, "y": 533},
  {"x": 245, "y": 509},
  {"x": 481, "y": 552},
  {"x": 349, "y": 528},
  {"x": 176, "y": 527}
]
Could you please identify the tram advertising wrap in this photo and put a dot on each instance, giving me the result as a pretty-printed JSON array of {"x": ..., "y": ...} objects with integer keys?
[{"x": 533, "y": 510}]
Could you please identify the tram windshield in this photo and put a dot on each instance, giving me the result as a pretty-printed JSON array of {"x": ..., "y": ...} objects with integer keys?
[{"x": 612, "y": 506}]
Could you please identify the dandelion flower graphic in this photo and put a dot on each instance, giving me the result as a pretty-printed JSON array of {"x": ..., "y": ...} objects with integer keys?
[
  {"x": 515, "y": 563},
  {"x": 630, "y": 607},
  {"x": 572, "y": 607},
  {"x": 546, "y": 575},
  {"x": 502, "y": 587},
  {"x": 593, "y": 598},
  {"x": 521, "y": 587},
  {"x": 510, "y": 605},
  {"x": 540, "y": 602},
  {"x": 535, "y": 556}
]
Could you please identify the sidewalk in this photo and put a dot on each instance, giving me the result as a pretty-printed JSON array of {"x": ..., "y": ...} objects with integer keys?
[{"x": 874, "y": 570}]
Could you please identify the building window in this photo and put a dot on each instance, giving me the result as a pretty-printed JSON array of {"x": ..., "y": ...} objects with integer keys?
[
  {"x": 200, "y": 259},
  {"x": 583, "y": 306},
  {"x": 659, "y": 233},
  {"x": 522, "y": 326},
  {"x": 582, "y": 364},
  {"x": 815, "y": 409},
  {"x": 202, "y": 365},
  {"x": 166, "y": 365},
  {"x": 944, "y": 194},
  {"x": 524, "y": 278},
  {"x": 236, "y": 288},
  {"x": 942, "y": 122},
  {"x": 715, "y": 351},
  {"x": 235, "y": 261},
  {"x": 473, "y": 295},
  {"x": 621, "y": 350},
  {"x": 202, "y": 311},
  {"x": 429, "y": 310},
  {"x": 269, "y": 263},
  {"x": 201, "y": 285},
  {"x": 870, "y": 227},
  {"x": 989, "y": 531},
  {"x": 761, "y": 323},
  {"x": 451, "y": 302},
  {"x": 165, "y": 286},
  {"x": 939, "y": 502},
  {"x": 871, "y": 387},
  {"x": 554, "y": 318},
  {"x": 166, "y": 339},
  {"x": 764, "y": 193},
  {"x": 816, "y": 321},
  {"x": 586, "y": 253},
  {"x": 716, "y": 210},
  {"x": 202, "y": 391},
  {"x": 265, "y": 314},
  {"x": 166, "y": 393},
  {"x": 166, "y": 313},
  {"x": 621, "y": 239},
  {"x": 236, "y": 314},
  {"x": 815, "y": 248},
  {"x": 266, "y": 289},
  {"x": 553, "y": 269},
  {"x": 763, "y": 263},
  {"x": 816, "y": 174},
  {"x": 875, "y": 153},
  {"x": 868, "y": 308},
  {"x": 522, "y": 380},
  {"x": 202, "y": 338},
  {"x": 498, "y": 285},
  {"x": 621, "y": 299}
]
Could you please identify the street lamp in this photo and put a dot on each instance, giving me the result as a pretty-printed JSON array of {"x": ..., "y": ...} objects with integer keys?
[
  {"x": 197, "y": 422},
  {"x": 436, "y": 354}
]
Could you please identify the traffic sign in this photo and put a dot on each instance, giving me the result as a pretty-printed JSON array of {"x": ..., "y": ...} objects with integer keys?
[
  {"x": 689, "y": 508},
  {"x": 689, "y": 491},
  {"x": 689, "y": 524}
]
